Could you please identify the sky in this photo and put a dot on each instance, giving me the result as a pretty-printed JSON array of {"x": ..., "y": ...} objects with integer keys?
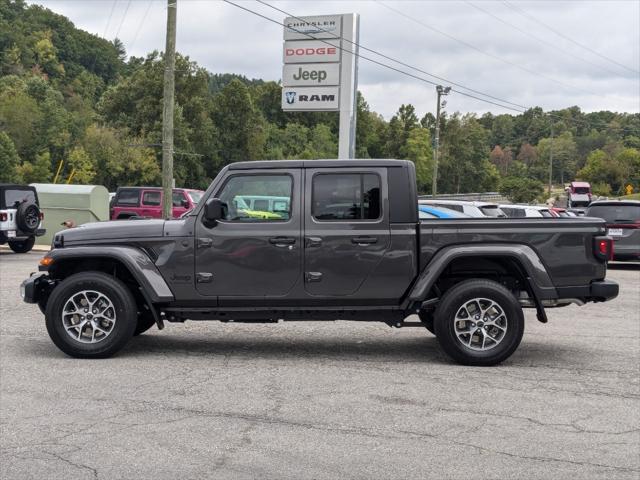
[{"x": 552, "y": 54}]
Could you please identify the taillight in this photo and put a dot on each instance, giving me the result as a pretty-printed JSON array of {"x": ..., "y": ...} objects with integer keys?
[
  {"x": 3, "y": 216},
  {"x": 603, "y": 248}
]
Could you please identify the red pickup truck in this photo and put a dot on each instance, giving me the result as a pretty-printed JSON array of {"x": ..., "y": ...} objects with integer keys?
[{"x": 147, "y": 202}]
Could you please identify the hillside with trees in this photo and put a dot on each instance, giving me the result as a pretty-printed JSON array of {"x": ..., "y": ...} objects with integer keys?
[{"x": 72, "y": 101}]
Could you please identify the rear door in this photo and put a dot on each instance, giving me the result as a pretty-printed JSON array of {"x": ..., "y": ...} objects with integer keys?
[{"x": 346, "y": 230}]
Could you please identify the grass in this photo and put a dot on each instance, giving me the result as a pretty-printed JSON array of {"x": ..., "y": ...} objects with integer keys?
[{"x": 633, "y": 196}]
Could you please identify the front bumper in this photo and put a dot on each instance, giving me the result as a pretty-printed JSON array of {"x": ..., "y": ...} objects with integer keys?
[{"x": 36, "y": 288}]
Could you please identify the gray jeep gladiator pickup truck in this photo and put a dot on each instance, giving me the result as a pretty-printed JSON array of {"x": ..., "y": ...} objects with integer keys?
[{"x": 318, "y": 240}]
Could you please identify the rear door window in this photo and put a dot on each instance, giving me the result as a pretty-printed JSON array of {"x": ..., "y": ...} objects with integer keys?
[
  {"x": 152, "y": 198},
  {"x": 349, "y": 196},
  {"x": 128, "y": 197}
]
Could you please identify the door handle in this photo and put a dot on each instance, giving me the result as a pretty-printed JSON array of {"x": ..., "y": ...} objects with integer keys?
[
  {"x": 364, "y": 240},
  {"x": 205, "y": 242},
  {"x": 282, "y": 241},
  {"x": 314, "y": 241}
]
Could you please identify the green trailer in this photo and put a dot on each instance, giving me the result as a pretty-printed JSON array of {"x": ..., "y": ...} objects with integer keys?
[{"x": 70, "y": 203}]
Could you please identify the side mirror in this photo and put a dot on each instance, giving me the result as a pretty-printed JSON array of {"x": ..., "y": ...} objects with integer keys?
[{"x": 214, "y": 210}]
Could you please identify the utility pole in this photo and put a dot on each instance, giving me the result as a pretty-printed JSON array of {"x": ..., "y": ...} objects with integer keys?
[
  {"x": 167, "y": 110},
  {"x": 436, "y": 141},
  {"x": 550, "y": 161}
]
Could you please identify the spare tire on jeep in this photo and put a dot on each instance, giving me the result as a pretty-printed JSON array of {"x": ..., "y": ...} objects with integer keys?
[{"x": 28, "y": 217}]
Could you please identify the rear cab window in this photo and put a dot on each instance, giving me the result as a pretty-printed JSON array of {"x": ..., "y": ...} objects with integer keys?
[{"x": 615, "y": 213}]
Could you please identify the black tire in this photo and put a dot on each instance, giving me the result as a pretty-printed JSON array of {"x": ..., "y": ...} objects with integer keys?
[
  {"x": 145, "y": 322},
  {"x": 427, "y": 320},
  {"x": 124, "y": 308},
  {"x": 22, "y": 246},
  {"x": 28, "y": 217},
  {"x": 453, "y": 302}
]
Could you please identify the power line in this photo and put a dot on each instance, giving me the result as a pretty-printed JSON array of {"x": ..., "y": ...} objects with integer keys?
[
  {"x": 144, "y": 17},
  {"x": 113, "y": 7},
  {"x": 124, "y": 16},
  {"x": 538, "y": 39},
  {"x": 491, "y": 55},
  {"x": 387, "y": 58},
  {"x": 403, "y": 72},
  {"x": 560, "y": 34}
]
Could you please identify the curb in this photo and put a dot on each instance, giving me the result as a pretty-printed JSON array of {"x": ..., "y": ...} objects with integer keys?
[{"x": 36, "y": 248}]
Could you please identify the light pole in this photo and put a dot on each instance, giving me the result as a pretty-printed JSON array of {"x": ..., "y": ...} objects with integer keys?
[{"x": 441, "y": 91}]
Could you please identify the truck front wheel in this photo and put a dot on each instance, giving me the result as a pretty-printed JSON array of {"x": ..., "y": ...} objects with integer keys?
[
  {"x": 91, "y": 315},
  {"x": 479, "y": 322}
]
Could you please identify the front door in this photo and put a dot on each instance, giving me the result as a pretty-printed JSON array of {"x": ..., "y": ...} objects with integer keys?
[
  {"x": 256, "y": 252},
  {"x": 346, "y": 231}
]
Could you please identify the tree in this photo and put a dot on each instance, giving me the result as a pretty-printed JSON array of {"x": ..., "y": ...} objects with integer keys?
[
  {"x": 521, "y": 189},
  {"x": 9, "y": 159},
  {"x": 38, "y": 171},
  {"x": 527, "y": 155},
  {"x": 418, "y": 150},
  {"x": 564, "y": 158},
  {"x": 82, "y": 167}
]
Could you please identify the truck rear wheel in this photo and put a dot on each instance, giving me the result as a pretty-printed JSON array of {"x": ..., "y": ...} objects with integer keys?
[
  {"x": 479, "y": 322},
  {"x": 91, "y": 315}
]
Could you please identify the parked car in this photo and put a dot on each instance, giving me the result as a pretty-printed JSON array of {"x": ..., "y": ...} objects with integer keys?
[
  {"x": 578, "y": 212},
  {"x": 578, "y": 194},
  {"x": 522, "y": 211},
  {"x": 427, "y": 211},
  {"x": 20, "y": 217},
  {"x": 561, "y": 212},
  {"x": 146, "y": 202},
  {"x": 470, "y": 208},
  {"x": 623, "y": 225},
  {"x": 373, "y": 260}
]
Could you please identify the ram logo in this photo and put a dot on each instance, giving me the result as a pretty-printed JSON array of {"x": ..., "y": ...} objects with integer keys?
[{"x": 291, "y": 97}]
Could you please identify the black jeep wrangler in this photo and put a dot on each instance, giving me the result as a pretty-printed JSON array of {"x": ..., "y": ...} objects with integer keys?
[{"x": 20, "y": 217}]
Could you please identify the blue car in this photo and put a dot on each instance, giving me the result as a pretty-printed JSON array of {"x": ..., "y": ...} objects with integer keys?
[{"x": 427, "y": 211}]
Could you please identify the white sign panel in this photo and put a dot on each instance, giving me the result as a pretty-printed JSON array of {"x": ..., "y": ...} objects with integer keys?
[
  {"x": 301, "y": 28},
  {"x": 311, "y": 51},
  {"x": 311, "y": 74},
  {"x": 311, "y": 98}
]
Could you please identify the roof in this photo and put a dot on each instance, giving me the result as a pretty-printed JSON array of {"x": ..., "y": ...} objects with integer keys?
[
  {"x": 475, "y": 203},
  {"x": 581, "y": 184},
  {"x": 506, "y": 205},
  {"x": 160, "y": 188},
  {"x": 64, "y": 188},
  {"x": 624, "y": 203},
  {"x": 320, "y": 163},
  {"x": 16, "y": 186}
]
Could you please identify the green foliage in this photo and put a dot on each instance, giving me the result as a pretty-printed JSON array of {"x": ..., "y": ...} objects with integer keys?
[
  {"x": 521, "y": 189},
  {"x": 9, "y": 159},
  {"x": 67, "y": 95},
  {"x": 37, "y": 171}
]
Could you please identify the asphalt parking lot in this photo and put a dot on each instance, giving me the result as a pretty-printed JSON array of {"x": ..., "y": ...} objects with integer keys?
[{"x": 322, "y": 400}]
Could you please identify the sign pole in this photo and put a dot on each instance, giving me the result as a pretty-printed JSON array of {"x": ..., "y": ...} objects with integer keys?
[{"x": 349, "y": 86}]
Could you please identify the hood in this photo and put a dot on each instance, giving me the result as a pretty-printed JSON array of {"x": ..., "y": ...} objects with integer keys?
[{"x": 112, "y": 230}]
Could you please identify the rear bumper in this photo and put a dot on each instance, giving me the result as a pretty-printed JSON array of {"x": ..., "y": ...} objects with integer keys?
[
  {"x": 4, "y": 237},
  {"x": 597, "y": 291}
]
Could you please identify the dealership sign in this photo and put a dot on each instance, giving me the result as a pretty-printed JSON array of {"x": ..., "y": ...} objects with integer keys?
[
  {"x": 311, "y": 98},
  {"x": 307, "y": 28},
  {"x": 311, "y": 74},
  {"x": 305, "y": 51},
  {"x": 320, "y": 70}
]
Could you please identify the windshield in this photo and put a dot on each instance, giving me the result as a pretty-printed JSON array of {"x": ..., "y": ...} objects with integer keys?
[
  {"x": 195, "y": 196},
  {"x": 616, "y": 213},
  {"x": 581, "y": 190}
]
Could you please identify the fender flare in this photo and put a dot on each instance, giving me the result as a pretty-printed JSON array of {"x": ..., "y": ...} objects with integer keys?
[
  {"x": 134, "y": 259},
  {"x": 536, "y": 274}
]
